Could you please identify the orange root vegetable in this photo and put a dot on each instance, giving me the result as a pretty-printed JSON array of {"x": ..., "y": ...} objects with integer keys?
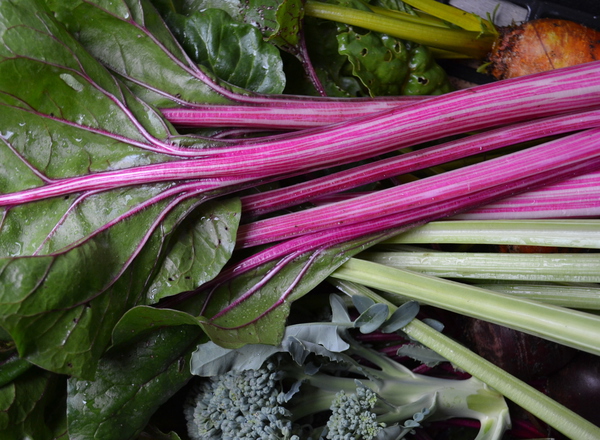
[{"x": 540, "y": 45}]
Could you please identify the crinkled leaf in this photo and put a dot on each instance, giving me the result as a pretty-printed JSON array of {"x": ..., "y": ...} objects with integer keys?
[
  {"x": 401, "y": 317},
  {"x": 381, "y": 62},
  {"x": 33, "y": 407},
  {"x": 372, "y": 318},
  {"x": 299, "y": 340},
  {"x": 388, "y": 66},
  {"x": 199, "y": 250},
  {"x": 279, "y": 21},
  {"x": 235, "y": 52},
  {"x": 132, "y": 382}
]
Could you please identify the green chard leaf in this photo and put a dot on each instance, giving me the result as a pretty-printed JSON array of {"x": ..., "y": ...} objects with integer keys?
[
  {"x": 71, "y": 266},
  {"x": 332, "y": 68},
  {"x": 199, "y": 249},
  {"x": 280, "y": 21},
  {"x": 233, "y": 51},
  {"x": 33, "y": 406},
  {"x": 132, "y": 39},
  {"x": 251, "y": 306},
  {"x": 387, "y": 65},
  {"x": 133, "y": 380}
]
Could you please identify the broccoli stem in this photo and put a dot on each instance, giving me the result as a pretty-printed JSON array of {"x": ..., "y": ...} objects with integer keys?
[
  {"x": 401, "y": 393},
  {"x": 535, "y": 402}
]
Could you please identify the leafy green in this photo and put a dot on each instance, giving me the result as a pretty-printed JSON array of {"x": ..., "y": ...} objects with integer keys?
[
  {"x": 72, "y": 266},
  {"x": 125, "y": 35},
  {"x": 267, "y": 289},
  {"x": 33, "y": 406},
  {"x": 199, "y": 250},
  {"x": 233, "y": 51},
  {"x": 389, "y": 66},
  {"x": 332, "y": 68},
  {"x": 280, "y": 21},
  {"x": 133, "y": 380}
]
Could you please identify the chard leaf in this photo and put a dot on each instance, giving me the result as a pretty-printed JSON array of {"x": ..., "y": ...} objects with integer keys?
[
  {"x": 60, "y": 313},
  {"x": 233, "y": 51},
  {"x": 199, "y": 250},
  {"x": 71, "y": 266},
  {"x": 380, "y": 62},
  {"x": 251, "y": 306},
  {"x": 280, "y": 21},
  {"x": 125, "y": 35},
  {"x": 132, "y": 382},
  {"x": 141, "y": 319},
  {"x": 33, "y": 406},
  {"x": 333, "y": 69}
]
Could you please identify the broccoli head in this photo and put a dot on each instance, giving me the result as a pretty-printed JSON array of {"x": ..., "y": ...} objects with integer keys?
[{"x": 240, "y": 405}]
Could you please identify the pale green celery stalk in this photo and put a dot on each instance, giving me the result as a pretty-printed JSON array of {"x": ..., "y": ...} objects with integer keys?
[
  {"x": 572, "y": 296},
  {"x": 472, "y": 43},
  {"x": 561, "y": 233},
  {"x": 544, "y": 267},
  {"x": 532, "y": 400},
  {"x": 573, "y": 328}
]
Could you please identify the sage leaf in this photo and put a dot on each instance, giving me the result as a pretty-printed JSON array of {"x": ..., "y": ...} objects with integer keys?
[
  {"x": 401, "y": 317},
  {"x": 372, "y": 318}
]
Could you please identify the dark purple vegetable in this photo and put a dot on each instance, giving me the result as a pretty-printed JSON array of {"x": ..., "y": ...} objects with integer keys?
[
  {"x": 523, "y": 355},
  {"x": 577, "y": 386}
]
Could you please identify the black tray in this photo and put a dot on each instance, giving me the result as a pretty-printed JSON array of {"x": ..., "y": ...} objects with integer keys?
[{"x": 586, "y": 12}]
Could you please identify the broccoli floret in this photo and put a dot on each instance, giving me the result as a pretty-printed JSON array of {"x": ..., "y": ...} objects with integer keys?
[
  {"x": 352, "y": 416},
  {"x": 322, "y": 384},
  {"x": 281, "y": 399},
  {"x": 240, "y": 405}
]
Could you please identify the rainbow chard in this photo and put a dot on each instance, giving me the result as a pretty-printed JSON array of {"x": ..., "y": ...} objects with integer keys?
[
  {"x": 75, "y": 119},
  {"x": 114, "y": 223}
]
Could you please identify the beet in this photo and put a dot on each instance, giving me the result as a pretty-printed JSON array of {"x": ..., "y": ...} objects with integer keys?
[
  {"x": 540, "y": 45},
  {"x": 577, "y": 386},
  {"x": 522, "y": 355}
]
